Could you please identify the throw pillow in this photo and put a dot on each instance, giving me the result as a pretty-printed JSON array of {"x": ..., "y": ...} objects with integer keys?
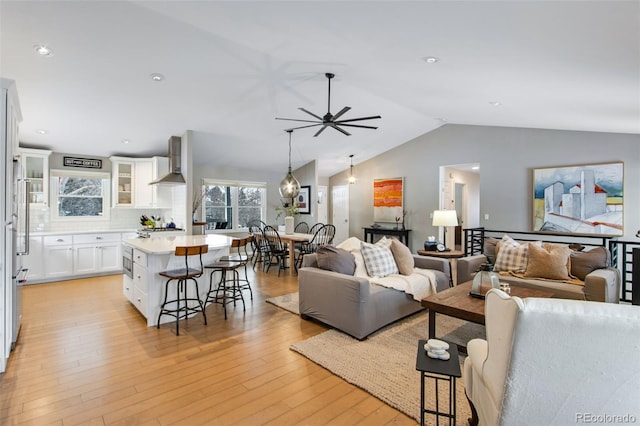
[
  {"x": 512, "y": 259},
  {"x": 352, "y": 245},
  {"x": 583, "y": 263},
  {"x": 378, "y": 260},
  {"x": 335, "y": 259},
  {"x": 489, "y": 249},
  {"x": 548, "y": 262},
  {"x": 403, "y": 257}
]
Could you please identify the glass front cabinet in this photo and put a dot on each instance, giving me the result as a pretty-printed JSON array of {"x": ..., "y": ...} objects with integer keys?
[
  {"x": 35, "y": 166},
  {"x": 122, "y": 178}
]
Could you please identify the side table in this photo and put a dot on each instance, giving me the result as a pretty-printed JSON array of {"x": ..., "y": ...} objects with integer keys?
[
  {"x": 451, "y": 254},
  {"x": 439, "y": 370}
]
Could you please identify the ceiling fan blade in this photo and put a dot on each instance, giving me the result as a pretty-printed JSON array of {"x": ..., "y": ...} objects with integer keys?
[
  {"x": 360, "y": 119},
  {"x": 339, "y": 129},
  {"x": 320, "y": 131},
  {"x": 342, "y": 111},
  {"x": 310, "y": 113},
  {"x": 356, "y": 125},
  {"x": 295, "y": 119},
  {"x": 304, "y": 127}
]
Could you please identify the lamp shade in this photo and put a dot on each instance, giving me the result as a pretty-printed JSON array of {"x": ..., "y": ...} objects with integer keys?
[{"x": 445, "y": 218}]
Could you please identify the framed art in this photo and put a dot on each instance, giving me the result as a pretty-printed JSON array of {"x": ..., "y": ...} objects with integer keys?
[
  {"x": 582, "y": 199},
  {"x": 304, "y": 200},
  {"x": 387, "y": 199}
]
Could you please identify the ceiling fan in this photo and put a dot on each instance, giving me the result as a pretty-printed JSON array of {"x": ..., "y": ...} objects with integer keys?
[{"x": 330, "y": 120}]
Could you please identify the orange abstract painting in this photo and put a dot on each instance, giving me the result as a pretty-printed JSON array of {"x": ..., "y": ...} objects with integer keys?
[{"x": 387, "y": 199}]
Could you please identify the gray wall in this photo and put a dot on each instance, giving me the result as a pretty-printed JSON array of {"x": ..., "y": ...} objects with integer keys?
[{"x": 506, "y": 156}]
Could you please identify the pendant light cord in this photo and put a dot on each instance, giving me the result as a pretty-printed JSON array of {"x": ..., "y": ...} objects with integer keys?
[{"x": 290, "y": 131}]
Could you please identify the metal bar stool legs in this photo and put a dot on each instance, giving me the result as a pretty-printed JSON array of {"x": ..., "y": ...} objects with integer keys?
[
  {"x": 223, "y": 294},
  {"x": 181, "y": 312},
  {"x": 183, "y": 276}
]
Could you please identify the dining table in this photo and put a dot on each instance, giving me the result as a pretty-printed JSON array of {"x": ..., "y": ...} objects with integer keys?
[{"x": 291, "y": 240}]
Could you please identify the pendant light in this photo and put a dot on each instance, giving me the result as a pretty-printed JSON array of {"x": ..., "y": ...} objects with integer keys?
[
  {"x": 352, "y": 178},
  {"x": 289, "y": 187}
]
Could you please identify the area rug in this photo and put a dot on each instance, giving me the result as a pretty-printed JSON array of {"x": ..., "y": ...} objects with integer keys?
[
  {"x": 287, "y": 302},
  {"x": 385, "y": 363}
]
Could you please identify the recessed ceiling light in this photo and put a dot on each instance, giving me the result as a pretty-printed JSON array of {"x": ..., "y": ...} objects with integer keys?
[
  {"x": 43, "y": 50},
  {"x": 430, "y": 59},
  {"x": 495, "y": 103},
  {"x": 475, "y": 168},
  {"x": 442, "y": 119},
  {"x": 157, "y": 77},
  {"x": 42, "y": 131},
  {"x": 125, "y": 141}
]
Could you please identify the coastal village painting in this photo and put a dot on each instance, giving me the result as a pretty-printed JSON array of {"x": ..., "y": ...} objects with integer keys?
[{"x": 586, "y": 199}]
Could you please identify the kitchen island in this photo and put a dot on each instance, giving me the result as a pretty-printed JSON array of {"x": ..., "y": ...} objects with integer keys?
[{"x": 144, "y": 287}]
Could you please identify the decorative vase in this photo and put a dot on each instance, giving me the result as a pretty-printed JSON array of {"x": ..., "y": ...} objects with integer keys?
[
  {"x": 288, "y": 225},
  {"x": 194, "y": 217}
]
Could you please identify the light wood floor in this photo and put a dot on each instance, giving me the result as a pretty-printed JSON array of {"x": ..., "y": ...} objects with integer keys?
[{"x": 85, "y": 356}]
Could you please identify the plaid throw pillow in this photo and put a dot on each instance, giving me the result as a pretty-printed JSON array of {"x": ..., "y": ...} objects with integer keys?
[
  {"x": 512, "y": 259},
  {"x": 378, "y": 259}
]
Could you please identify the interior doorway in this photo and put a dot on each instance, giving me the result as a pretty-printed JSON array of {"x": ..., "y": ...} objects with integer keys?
[
  {"x": 460, "y": 189},
  {"x": 340, "y": 212}
]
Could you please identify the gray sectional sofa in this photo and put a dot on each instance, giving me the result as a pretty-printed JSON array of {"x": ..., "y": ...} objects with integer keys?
[{"x": 352, "y": 304}]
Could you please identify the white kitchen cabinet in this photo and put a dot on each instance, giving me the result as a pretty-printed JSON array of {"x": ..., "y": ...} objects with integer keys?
[
  {"x": 127, "y": 287},
  {"x": 35, "y": 165},
  {"x": 122, "y": 176},
  {"x": 34, "y": 260},
  {"x": 58, "y": 256},
  {"x": 140, "y": 281},
  {"x": 96, "y": 253},
  {"x": 131, "y": 178}
]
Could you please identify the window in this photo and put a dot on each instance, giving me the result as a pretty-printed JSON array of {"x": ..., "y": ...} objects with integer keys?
[
  {"x": 80, "y": 194},
  {"x": 233, "y": 205}
]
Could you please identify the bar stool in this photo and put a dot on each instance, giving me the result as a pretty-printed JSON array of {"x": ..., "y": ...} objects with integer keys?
[
  {"x": 241, "y": 256},
  {"x": 183, "y": 276},
  {"x": 229, "y": 294}
]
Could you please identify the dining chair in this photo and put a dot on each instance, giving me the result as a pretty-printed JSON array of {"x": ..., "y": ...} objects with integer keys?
[
  {"x": 277, "y": 249},
  {"x": 315, "y": 228},
  {"x": 302, "y": 228},
  {"x": 324, "y": 235},
  {"x": 260, "y": 246}
]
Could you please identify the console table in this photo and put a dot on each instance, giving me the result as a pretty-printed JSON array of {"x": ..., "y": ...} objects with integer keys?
[{"x": 402, "y": 234}]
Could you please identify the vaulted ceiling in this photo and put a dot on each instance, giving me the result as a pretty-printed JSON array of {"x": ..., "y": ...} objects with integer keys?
[{"x": 231, "y": 67}]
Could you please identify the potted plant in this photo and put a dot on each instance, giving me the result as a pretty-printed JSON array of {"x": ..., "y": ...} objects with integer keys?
[{"x": 289, "y": 209}]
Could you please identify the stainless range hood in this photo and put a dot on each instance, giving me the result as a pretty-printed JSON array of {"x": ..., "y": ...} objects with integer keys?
[{"x": 174, "y": 177}]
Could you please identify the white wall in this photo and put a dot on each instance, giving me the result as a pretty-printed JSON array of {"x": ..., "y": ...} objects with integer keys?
[{"x": 506, "y": 156}]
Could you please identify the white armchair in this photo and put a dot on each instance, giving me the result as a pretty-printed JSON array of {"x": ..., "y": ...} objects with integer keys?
[{"x": 554, "y": 362}]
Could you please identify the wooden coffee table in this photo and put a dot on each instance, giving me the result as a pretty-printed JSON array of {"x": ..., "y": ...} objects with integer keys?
[{"x": 456, "y": 302}]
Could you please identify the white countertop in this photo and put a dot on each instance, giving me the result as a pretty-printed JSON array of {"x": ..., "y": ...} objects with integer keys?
[
  {"x": 72, "y": 232},
  {"x": 166, "y": 245}
]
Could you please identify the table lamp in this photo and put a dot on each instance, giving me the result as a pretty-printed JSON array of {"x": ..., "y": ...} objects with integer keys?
[{"x": 445, "y": 218}]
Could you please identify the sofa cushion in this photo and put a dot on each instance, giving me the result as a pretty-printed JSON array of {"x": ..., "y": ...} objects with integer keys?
[
  {"x": 489, "y": 249},
  {"x": 336, "y": 259},
  {"x": 583, "y": 263},
  {"x": 549, "y": 261},
  {"x": 403, "y": 257},
  {"x": 378, "y": 259}
]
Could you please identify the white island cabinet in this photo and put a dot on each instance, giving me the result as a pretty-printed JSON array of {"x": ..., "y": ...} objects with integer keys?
[{"x": 154, "y": 255}]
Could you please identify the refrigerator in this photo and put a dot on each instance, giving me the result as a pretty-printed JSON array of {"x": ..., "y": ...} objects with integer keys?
[{"x": 14, "y": 233}]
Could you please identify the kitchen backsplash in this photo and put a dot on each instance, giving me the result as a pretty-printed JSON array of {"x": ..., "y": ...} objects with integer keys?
[{"x": 40, "y": 220}]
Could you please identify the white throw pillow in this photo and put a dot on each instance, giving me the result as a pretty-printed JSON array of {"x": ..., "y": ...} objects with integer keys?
[{"x": 378, "y": 259}]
